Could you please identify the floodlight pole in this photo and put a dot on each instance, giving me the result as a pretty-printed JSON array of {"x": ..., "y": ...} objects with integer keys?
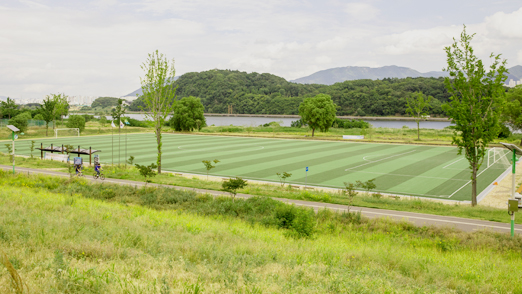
[
  {"x": 513, "y": 191},
  {"x": 13, "y": 153}
]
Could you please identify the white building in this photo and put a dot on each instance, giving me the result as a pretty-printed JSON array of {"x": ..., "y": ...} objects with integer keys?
[{"x": 512, "y": 83}]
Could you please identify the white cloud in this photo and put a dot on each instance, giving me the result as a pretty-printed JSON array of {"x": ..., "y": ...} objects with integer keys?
[
  {"x": 507, "y": 25},
  {"x": 361, "y": 11},
  {"x": 323, "y": 59},
  {"x": 418, "y": 41},
  {"x": 336, "y": 43},
  {"x": 97, "y": 47}
]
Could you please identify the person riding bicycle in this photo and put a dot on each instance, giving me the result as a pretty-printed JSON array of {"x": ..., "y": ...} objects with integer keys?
[{"x": 97, "y": 168}]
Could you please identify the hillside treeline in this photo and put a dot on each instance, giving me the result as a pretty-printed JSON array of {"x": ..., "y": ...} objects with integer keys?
[{"x": 254, "y": 93}]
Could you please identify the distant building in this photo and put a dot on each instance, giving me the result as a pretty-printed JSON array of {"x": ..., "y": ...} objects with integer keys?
[{"x": 512, "y": 83}]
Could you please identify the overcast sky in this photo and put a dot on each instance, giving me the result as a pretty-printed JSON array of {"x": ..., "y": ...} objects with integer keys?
[{"x": 82, "y": 47}]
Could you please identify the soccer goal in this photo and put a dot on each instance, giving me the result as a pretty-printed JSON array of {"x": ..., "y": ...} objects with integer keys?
[
  {"x": 498, "y": 158},
  {"x": 67, "y": 132}
]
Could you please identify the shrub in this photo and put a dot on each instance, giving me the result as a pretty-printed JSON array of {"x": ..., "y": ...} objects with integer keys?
[
  {"x": 88, "y": 117},
  {"x": 38, "y": 117},
  {"x": 136, "y": 123},
  {"x": 147, "y": 171},
  {"x": 350, "y": 124},
  {"x": 233, "y": 184},
  {"x": 298, "y": 123},
  {"x": 300, "y": 222},
  {"x": 21, "y": 121},
  {"x": 76, "y": 121}
]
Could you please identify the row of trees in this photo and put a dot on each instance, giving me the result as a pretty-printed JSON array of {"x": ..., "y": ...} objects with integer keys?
[{"x": 55, "y": 107}]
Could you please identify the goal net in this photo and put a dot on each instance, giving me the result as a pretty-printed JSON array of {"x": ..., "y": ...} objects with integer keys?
[
  {"x": 69, "y": 132},
  {"x": 498, "y": 158}
]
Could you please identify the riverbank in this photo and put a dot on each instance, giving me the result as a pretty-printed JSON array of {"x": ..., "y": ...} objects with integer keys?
[{"x": 296, "y": 117}]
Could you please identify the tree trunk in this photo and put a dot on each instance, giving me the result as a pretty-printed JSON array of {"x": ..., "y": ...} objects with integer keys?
[
  {"x": 47, "y": 129},
  {"x": 418, "y": 130},
  {"x": 158, "y": 139},
  {"x": 313, "y": 131},
  {"x": 474, "y": 186}
]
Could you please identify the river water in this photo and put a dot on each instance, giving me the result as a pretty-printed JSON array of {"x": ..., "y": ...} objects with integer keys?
[{"x": 256, "y": 121}]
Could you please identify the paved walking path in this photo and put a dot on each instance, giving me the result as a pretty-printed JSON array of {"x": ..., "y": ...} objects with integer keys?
[{"x": 418, "y": 219}]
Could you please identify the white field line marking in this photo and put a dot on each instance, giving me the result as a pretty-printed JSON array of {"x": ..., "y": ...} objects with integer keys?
[
  {"x": 379, "y": 160},
  {"x": 414, "y": 217},
  {"x": 210, "y": 148},
  {"x": 453, "y": 162},
  {"x": 477, "y": 177},
  {"x": 410, "y": 176}
]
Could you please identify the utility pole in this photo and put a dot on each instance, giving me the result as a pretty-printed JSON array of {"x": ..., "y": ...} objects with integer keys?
[
  {"x": 515, "y": 202},
  {"x": 13, "y": 131}
]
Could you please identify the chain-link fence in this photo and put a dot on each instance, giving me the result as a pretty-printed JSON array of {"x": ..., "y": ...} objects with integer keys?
[{"x": 30, "y": 123}]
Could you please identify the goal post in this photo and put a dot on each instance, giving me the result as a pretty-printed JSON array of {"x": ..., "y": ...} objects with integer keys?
[
  {"x": 76, "y": 131},
  {"x": 498, "y": 156}
]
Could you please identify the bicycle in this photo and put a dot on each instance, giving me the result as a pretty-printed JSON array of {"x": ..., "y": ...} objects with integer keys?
[{"x": 100, "y": 176}]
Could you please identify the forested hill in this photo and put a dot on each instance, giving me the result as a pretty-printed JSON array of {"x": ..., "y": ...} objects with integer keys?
[{"x": 253, "y": 93}]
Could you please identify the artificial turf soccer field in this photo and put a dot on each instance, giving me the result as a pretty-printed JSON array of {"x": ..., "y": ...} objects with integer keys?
[{"x": 427, "y": 171}]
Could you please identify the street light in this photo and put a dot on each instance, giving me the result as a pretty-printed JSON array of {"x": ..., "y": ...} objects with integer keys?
[
  {"x": 513, "y": 203},
  {"x": 14, "y": 130}
]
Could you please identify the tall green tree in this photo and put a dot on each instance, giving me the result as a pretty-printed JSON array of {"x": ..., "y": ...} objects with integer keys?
[
  {"x": 417, "y": 106},
  {"x": 188, "y": 115},
  {"x": 62, "y": 106},
  {"x": 513, "y": 110},
  {"x": 8, "y": 108},
  {"x": 318, "y": 112},
  {"x": 158, "y": 93},
  {"x": 118, "y": 112},
  {"x": 475, "y": 104},
  {"x": 47, "y": 110}
]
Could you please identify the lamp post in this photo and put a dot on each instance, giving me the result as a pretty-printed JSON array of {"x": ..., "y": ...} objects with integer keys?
[
  {"x": 513, "y": 203},
  {"x": 13, "y": 131}
]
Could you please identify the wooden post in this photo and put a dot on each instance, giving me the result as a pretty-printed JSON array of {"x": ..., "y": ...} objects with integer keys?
[
  {"x": 41, "y": 150},
  {"x": 52, "y": 148},
  {"x": 62, "y": 148},
  {"x": 90, "y": 156}
]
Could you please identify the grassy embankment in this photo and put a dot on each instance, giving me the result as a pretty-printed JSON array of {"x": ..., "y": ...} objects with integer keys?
[
  {"x": 67, "y": 236},
  {"x": 361, "y": 200}
]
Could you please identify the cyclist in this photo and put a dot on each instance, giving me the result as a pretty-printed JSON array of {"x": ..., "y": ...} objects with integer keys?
[
  {"x": 78, "y": 169},
  {"x": 97, "y": 168}
]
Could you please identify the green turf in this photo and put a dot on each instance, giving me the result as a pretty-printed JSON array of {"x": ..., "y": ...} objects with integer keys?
[{"x": 426, "y": 171}]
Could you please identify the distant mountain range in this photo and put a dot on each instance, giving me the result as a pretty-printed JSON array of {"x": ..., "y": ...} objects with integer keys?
[{"x": 341, "y": 74}]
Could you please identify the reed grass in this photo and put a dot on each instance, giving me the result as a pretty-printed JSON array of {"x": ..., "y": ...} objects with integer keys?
[{"x": 74, "y": 239}]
